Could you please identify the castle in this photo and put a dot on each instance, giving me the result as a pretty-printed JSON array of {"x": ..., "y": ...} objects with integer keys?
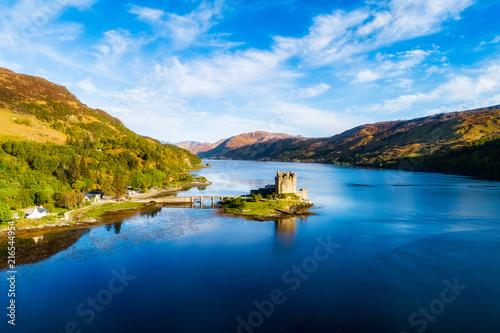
[{"x": 284, "y": 182}]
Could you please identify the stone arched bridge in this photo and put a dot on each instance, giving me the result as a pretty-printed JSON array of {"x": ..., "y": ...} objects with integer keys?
[{"x": 183, "y": 200}]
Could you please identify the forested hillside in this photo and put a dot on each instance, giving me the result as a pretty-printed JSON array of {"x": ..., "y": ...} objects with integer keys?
[
  {"x": 53, "y": 147},
  {"x": 480, "y": 158}
]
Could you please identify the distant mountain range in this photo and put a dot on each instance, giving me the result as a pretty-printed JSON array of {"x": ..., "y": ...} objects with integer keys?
[
  {"x": 383, "y": 144},
  {"x": 197, "y": 147},
  {"x": 233, "y": 142}
]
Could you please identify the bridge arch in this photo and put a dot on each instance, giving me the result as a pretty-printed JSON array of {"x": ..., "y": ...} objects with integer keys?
[{"x": 206, "y": 201}]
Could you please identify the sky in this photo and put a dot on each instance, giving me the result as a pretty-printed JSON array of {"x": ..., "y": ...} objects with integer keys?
[{"x": 197, "y": 70}]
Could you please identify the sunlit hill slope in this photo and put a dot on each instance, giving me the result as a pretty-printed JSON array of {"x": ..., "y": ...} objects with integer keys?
[{"x": 52, "y": 143}]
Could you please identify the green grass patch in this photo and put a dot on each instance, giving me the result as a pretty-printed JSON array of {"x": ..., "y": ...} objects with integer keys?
[
  {"x": 59, "y": 210},
  {"x": 97, "y": 211},
  {"x": 262, "y": 207}
]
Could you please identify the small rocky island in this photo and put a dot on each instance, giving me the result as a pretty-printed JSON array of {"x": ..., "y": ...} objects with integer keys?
[{"x": 272, "y": 201}]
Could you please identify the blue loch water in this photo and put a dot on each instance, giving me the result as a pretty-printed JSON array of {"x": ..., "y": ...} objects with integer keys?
[{"x": 388, "y": 251}]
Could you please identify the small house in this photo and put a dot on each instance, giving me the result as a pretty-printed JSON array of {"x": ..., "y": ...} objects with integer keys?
[
  {"x": 93, "y": 197},
  {"x": 35, "y": 212}
]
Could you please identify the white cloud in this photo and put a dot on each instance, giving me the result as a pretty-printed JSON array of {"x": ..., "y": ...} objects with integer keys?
[
  {"x": 435, "y": 70},
  {"x": 146, "y": 14},
  {"x": 495, "y": 40},
  {"x": 479, "y": 88},
  {"x": 87, "y": 85},
  {"x": 114, "y": 45},
  {"x": 479, "y": 47},
  {"x": 28, "y": 22},
  {"x": 242, "y": 73},
  {"x": 398, "y": 65},
  {"x": 331, "y": 37},
  {"x": 182, "y": 30},
  {"x": 342, "y": 35},
  {"x": 366, "y": 75},
  {"x": 80, "y": 4},
  {"x": 314, "y": 90},
  {"x": 400, "y": 103},
  {"x": 404, "y": 83},
  {"x": 30, "y": 29}
]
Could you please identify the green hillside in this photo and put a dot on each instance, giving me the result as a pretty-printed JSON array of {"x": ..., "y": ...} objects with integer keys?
[
  {"x": 53, "y": 147},
  {"x": 481, "y": 158}
]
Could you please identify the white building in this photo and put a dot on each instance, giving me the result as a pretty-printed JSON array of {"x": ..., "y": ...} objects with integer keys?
[
  {"x": 93, "y": 197},
  {"x": 35, "y": 212}
]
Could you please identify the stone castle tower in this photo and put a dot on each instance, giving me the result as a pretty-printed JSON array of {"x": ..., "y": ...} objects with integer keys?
[{"x": 285, "y": 182}]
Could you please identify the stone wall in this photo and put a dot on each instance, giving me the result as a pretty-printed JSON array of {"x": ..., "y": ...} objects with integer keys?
[{"x": 302, "y": 193}]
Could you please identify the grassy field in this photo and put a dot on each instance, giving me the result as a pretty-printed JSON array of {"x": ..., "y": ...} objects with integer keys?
[
  {"x": 96, "y": 211},
  {"x": 261, "y": 208},
  {"x": 36, "y": 130}
]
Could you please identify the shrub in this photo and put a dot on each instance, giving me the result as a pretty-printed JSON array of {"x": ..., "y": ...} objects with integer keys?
[
  {"x": 22, "y": 121},
  {"x": 257, "y": 197},
  {"x": 291, "y": 196}
]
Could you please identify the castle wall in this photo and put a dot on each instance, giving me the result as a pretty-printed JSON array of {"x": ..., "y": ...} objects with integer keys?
[
  {"x": 267, "y": 190},
  {"x": 302, "y": 193}
]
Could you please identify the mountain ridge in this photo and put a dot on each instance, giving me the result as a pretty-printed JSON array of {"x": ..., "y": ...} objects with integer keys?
[
  {"x": 381, "y": 144},
  {"x": 197, "y": 147},
  {"x": 238, "y": 141}
]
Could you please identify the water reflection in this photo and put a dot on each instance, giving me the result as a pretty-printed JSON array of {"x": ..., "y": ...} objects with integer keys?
[
  {"x": 117, "y": 226},
  {"x": 285, "y": 231},
  {"x": 150, "y": 213},
  {"x": 32, "y": 248}
]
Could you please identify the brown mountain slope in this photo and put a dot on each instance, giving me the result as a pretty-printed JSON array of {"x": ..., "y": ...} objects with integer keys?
[
  {"x": 379, "y": 143},
  {"x": 254, "y": 137},
  {"x": 245, "y": 140},
  {"x": 197, "y": 147},
  {"x": 30, "y": 106},
  {"x": 26, "y": 94}
]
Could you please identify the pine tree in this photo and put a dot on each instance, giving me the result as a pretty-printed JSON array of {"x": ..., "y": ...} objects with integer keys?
[
  {"x": 74, "y": 169},
  {"x": 118, "y": 186},
  {"x": 84, "y": 170}
]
